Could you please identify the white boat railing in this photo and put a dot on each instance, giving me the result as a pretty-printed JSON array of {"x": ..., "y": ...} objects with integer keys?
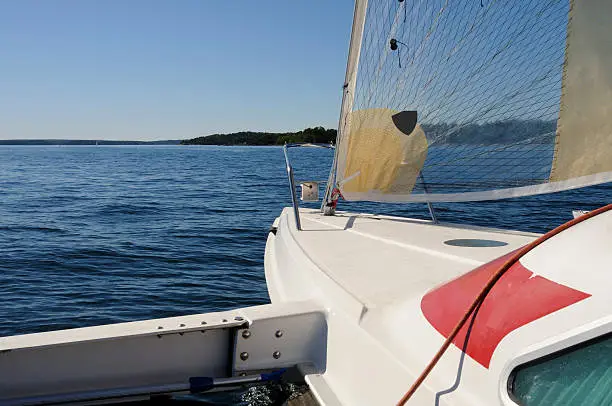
[{"x": 294, "y": 198}]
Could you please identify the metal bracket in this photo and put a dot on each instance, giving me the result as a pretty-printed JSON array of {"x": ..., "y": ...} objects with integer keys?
[{"x": 281, "y": 342}]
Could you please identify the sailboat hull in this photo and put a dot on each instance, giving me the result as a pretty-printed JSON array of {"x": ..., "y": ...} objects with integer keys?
[{"x": 371, "y": 275}]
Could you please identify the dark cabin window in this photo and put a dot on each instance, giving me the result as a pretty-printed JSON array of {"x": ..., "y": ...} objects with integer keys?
[{"x": 580, "y": 375}]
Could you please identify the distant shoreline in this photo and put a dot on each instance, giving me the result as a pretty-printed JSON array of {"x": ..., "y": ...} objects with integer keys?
[
  {"x": 87, "y": 142},
  {"x": 252, "y": 138},
  {"x": 242, "y": 138},
  {"x": 503, "y": 132}
]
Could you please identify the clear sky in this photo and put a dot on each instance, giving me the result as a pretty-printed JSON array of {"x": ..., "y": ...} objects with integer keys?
[{"x": 169, "y": 69}]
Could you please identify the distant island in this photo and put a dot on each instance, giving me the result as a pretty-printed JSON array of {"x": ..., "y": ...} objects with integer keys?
[
  {"x": 316, "y": 134},
  {"x": 86, "y": 142},
  {"x": 491, "y": 133}
]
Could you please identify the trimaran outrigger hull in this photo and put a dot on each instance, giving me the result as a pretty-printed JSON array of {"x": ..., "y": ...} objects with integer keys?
[{"x": 137, "y": 360}]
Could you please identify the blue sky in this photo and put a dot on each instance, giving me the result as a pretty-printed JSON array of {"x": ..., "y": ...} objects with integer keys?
[{"x": 162, "y": 69}]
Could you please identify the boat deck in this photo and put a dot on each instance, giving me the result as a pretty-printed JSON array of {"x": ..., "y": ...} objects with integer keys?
[
  {"x": 410, "y": 256},
  {"x": 370, "y": 273}
]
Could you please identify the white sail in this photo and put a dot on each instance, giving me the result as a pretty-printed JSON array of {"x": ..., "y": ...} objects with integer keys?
[{"x": 508, "y": 99}]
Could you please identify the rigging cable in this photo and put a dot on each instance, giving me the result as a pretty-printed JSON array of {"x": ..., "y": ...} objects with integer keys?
[{"x": 486, "y": 289}]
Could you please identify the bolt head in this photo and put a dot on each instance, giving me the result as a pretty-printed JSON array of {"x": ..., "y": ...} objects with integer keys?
[
  {"x": 246, "y": 334},
  {"x": 238, "y": 318},
  {"x": 278, "y": 334},
  {"x": 276, "y": 354},
  {"x": 244, "y": 356}
]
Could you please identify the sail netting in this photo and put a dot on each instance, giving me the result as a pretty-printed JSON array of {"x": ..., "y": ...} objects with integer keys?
[{"x": 449, "y": 100}]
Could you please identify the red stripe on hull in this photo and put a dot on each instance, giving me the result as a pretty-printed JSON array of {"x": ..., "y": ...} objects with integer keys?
[{"x": 518, "y": 298}]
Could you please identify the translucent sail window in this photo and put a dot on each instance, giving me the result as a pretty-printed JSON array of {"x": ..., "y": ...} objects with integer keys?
[
  {"x": 512, "y": 98},
  {"x": 580, "y": 375}
]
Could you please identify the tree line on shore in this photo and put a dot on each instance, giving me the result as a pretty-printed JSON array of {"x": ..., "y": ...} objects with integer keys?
[
  {"x": 491, "y": 133},
  {"x": 314, "y": 135}
]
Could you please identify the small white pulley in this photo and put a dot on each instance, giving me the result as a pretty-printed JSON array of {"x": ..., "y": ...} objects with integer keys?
[{"x": 310, "y": 191}]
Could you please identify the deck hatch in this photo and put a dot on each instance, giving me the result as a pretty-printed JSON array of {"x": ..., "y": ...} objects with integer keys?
[{"x": 474, "y": 242}]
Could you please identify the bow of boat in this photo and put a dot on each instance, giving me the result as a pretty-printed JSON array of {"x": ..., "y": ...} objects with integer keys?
[{"x": 391, "y": 287}]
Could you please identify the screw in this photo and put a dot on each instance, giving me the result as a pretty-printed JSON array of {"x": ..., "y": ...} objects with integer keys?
[
  {"x": 238, "y": 318},
  {"x": 276, "y": 354},
  {"x": 244, "y": 356},
  {"x": 160, "y": 328},
  {"x": 246, "y": 334},
  {"x": 203, "y": 323},
  {"x": 243, "y": 374},
  {"x": 181, "y": 325},
  {"x": 224, "y": 320},
  {"x": 278, "y": 334}
]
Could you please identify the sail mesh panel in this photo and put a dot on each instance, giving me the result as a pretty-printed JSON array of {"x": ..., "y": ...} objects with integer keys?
[{"x": 485, "y": 79}]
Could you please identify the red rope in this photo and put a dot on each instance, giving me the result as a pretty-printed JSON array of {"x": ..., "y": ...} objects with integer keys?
[
  {"x": 486, "y": 289},
  {"x": 335, "y": 195}
]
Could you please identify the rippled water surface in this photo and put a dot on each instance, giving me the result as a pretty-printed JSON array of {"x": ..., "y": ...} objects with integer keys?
[{"x": 93, "y": 235}]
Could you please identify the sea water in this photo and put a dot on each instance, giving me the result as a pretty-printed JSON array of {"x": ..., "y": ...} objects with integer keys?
[{"x": 96, "y": 235}]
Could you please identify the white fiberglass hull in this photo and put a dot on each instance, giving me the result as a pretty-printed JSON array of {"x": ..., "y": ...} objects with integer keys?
[
  {"x": 132, "y": 361},
  {"x": 370, "y": 274}
]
